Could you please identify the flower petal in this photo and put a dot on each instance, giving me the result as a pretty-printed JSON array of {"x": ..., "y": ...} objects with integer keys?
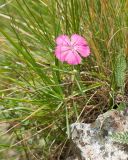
[
  {"x": 61, "y": 52},
  {"x": 63, "y": 40},
  {"x": 78, "y": 40},
  {"x": 83, "y": 50},
  {"x": 73, "y": 58}
]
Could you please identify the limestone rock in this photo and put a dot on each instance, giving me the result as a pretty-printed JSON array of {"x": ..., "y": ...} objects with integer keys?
[{"x": 94, "y": 141}]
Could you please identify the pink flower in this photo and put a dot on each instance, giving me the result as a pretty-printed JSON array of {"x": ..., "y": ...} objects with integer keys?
[{"x": 71, "y": 50}]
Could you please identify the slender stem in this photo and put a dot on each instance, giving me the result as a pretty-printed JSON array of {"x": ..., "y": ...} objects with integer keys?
[{"x": 57, "y": 71}]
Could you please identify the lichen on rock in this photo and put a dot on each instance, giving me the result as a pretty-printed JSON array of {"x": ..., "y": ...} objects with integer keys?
[{"x": 94, "y": 140}]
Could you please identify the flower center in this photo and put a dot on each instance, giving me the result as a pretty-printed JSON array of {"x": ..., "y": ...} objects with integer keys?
[{"x": 72, "y": 47}]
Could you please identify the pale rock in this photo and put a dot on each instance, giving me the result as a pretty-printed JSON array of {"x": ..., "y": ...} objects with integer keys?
[{"x": 94, "y": 140}]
